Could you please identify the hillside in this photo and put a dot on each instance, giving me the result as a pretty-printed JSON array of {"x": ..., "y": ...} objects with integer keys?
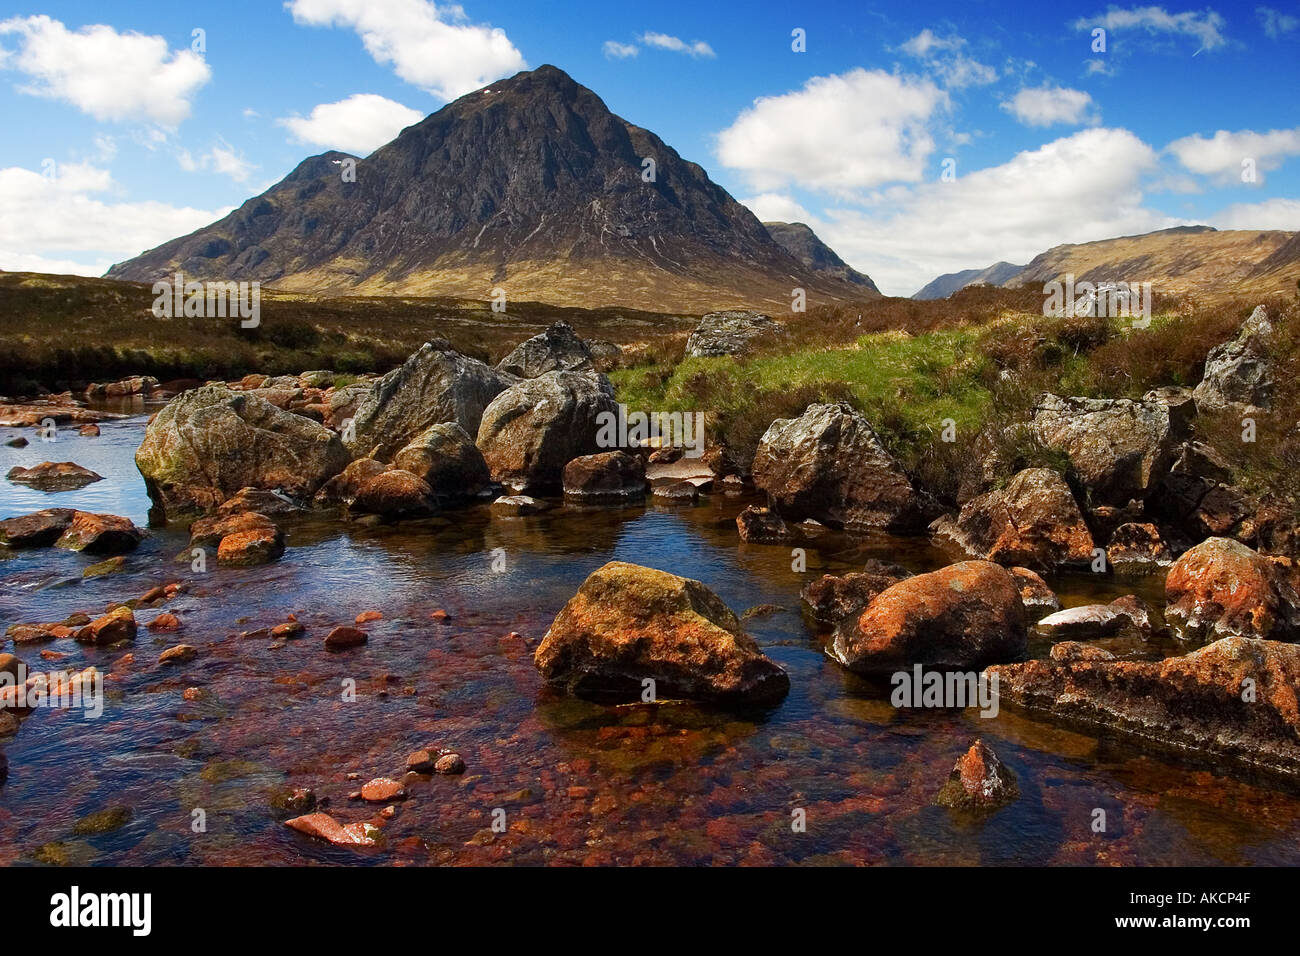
[
  {"x": 801, "y": 242},
  {"x": 1000, "y": 273}
]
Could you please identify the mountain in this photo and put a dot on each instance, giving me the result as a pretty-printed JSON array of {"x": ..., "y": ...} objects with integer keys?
[
  {"x": 1196, "y": 259},
  {"x": 802, "y": 243},
  {"x": 1000, "y": 273},
  {"x": 530, "y": 184}
]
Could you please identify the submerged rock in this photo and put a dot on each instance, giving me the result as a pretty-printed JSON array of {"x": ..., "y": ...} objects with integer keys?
[
  {"x": 39, "y": 529},
  {"x": 54, "y": 476},
  {"x": 209, "y": 444},
  {"x": 979, "y": 782},
  {"x": 1222, "y": 588},
  {"x": 961, "y": 617},
  {"x": 828, "y": 464},
  {"x": 763, "y": 526},
  {"x": 325, "y": 827},
  {"x": 1127, "y": 614},
  {"x": 1234, "y": 699},
  {"x": 100, "y": 534},
  {"x": 628, "y": 624},
  {"x": 518, "y": 506},
  {"x": 558, "y": 349},
  {"x": 1033, "y": 522},
  {"x": 533, "y": 429},
  {"x": 117, "y": 625}
]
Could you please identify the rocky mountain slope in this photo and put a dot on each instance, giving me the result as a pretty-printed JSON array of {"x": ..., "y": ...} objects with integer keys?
[
  {"x": 802, "y": 243},
  {"x": 945, "y": 285},
  {"x": 530, "y": 185}
]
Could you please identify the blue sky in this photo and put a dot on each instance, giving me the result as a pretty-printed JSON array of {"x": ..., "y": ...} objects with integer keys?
[{"x": 119, "y": 134}]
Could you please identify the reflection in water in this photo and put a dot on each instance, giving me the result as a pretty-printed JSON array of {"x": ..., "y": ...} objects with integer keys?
[{"x": 577, "y": 782}]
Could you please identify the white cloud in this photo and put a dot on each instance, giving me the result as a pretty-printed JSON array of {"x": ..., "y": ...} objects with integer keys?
[
  {"x": 620, "y": 51},
  {"x": 433, "y": 48},
  {"x": 1049, "y": 105},
  {"x": 1275, "y": 22},
  {"x": 221, "y": 158},
  {"x": 1222, "y": 154},
  {"x": 1269, "y": 214},
  {"x": 663, "y": 41},
  {"x": 1206, "y": 28},
  {"x": 776, "y": 207},
  {"x": 359, "y": 124},
  {"x": 56, "y": 223},
  {"x": 1097, "y": 67},
  {"x": 944, "y": 57},
  {"x": 852, "y": 131},
  {"x": 106, "y": 74},
  {"x": 1080, "y": 188}
]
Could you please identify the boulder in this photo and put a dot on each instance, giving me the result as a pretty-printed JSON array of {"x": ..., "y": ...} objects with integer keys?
[
  {"x": 828, "y": 464},
  {"x": 961, "y": 617},
  {"x": 1234, "y": 699},
  {"x": 531, "y": 430},
  {"x": 40, "y": 529},
  {"x": 558, "y": 349},
  {"x": 1120, "y": 448},
  {"x": 208, "y": 532},
  {"x": 1033, "y": 522},
  {"x": 208, "y": 444},
  {"x": 1137, "y": 548},
  {"x": 263, "y": 501},
  {"x": 117, "y": 625},
  {"x": 395, "y": 494},
  {"x": 433, "y": 386},
  {"x": 1239, "y": 372},
  {"x": 1222, "y": 588},
  {"x": 629, "y": 623},
  {"x": 54, "y": 476},
  {"x": 252, "y": 547},
  {"x": 1126, "y": 615},
  {"x": 732, "y": 332},
  {"x": 446, "y": 458},
  {"x": 1034, "y": 592},
  {"x": 763, "y": 526},
  {"x": 833, "y": 598},
  {"x": 100, "y": 534},
  {"x": 610, "y": 474},
  {"x": 979, "y": 782},
  {"x": 342, "y": 489}
]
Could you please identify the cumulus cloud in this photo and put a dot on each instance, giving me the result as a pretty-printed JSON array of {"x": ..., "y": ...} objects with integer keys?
[
  {"x": 944, "y": 57},
  {"x": 1206, "y": 28},
  {"x": 1050, "y": 105},
  {"x": 109, "y": 75},
  {"x": 58, "y": 223},
  {"x": 1269, "y": 214},
  {"x": 838, "y": 134},
  {"x": 359, "y": 124},
  {"x": 221, "y": 158},
  {"x": 1079, "y": 188},
  {"x": 775, "y": 207},
  {"x": 1221, "y": 156},
  {"x": 662, "y": 41},
  {"x": 434, "y": 48},
  {"x": 620, "y": 51},
  {"x": 1275, "y": 22}
]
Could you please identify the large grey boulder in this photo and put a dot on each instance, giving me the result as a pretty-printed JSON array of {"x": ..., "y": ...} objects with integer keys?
[
  {"x": 558, "y": 349},
  {"x": 208, "y": 444},
  {"x": 534, "y": 428},
  {"x": 1239, "y": 372},
  {"x": 446, "y": 458},
  {"x": 1121, "y": 448},
  {"x": 434, "y": 385},
  {"x": 732, "y": 333},
  {"x": 828, "y": 464}
]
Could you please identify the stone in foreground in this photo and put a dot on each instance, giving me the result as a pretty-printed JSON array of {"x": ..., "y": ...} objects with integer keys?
[
  {"x": 629, "y": 623},
  {"x": 979, "y": 782},
  {"x": 1233, "y": 699},
  {"x": 961, "y": 617},
  {"x": 1222, "y": 588}
]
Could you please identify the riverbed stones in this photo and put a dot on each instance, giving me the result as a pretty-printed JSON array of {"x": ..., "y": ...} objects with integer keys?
[
  {"x": 532, "y": 429},
  {"x": 1035, "y": 593},
  {"x": 979, "y": 782},
  {"x": 445, "y": 457},
  {"x": 1234, "y": 699},
  {"x": 100, "y": 534},
  {"x": 54, "y": 476},
  {"x": 732, "y": 332},
  {"x": 117, "y": 625},
  {"x": 1222, "y": 588},
  {"x": 961, "y": 617},
  {"x": 40, "y": 529},
  {"x": 178, "y": 654},
  {"x": 629, "y": 624},
  {"x": 607, "y": 475},
  {"x": 325, "y": 827},
  {"x": 1120, "y": 448},
  {"x": 342, "y": 489},
  {"x": 1137, "y": 547},
  {"x": 250, "y": 548},
  {"x": 208, "y": 444},
  {"x": 518, "y": 506},
  {"x": 1033, "y": 522},
  {"x": 558, "y": 349},
  {"x": 382, "y": 790},
  {"x": 344, "y": 637},
  {"x": 266, "y": 501},
  {"x": 828, "y": 464},
  {"x": 208, "y": 532},
  {"x": 395, "y": 494},
  {"x": 763, "y": 526},
  {"x": 1125, "y": 615},
  {"x": 434, "y": 385},
  {"x": 1239, "y": 373},
  {"x": 834, "y": 597}
]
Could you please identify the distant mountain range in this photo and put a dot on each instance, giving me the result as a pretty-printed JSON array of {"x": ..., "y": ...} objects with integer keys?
[
  {"x": 530, "y": 185},
  {"x": 1194, "y": 259}
]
